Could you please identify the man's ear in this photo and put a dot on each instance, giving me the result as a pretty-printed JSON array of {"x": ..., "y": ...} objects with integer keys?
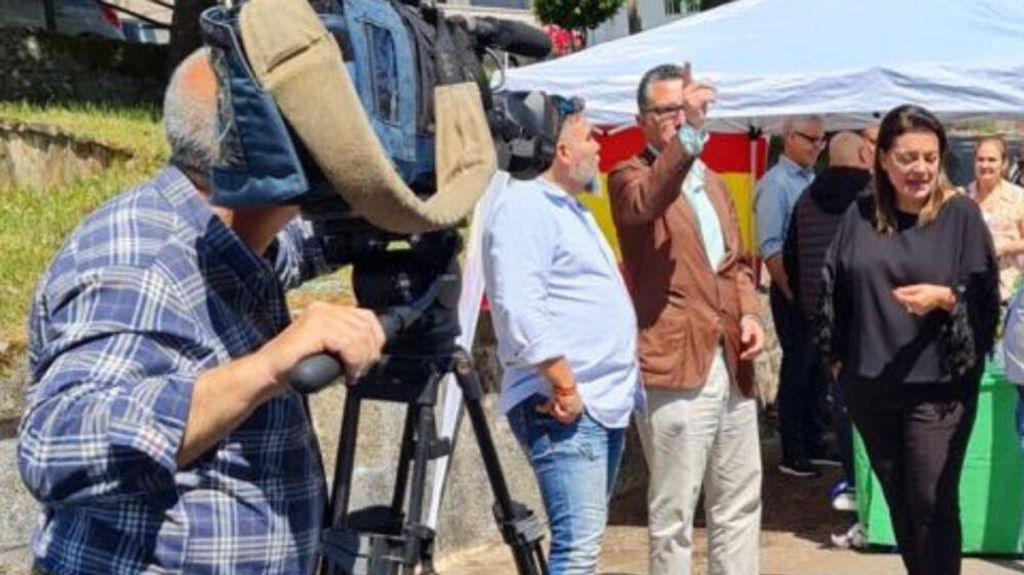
[
  {"x": 562, "y": 151},
  {"x": 865, "y": 156}
]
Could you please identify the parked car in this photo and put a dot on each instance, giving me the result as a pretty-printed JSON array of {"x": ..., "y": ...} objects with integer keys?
[
  {"x": 143, "y": 32},
  {"x": 74, "y": 17}
]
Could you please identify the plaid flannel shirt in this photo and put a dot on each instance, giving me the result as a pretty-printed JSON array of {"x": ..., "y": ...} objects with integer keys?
[{"x": 151, "y": 290}]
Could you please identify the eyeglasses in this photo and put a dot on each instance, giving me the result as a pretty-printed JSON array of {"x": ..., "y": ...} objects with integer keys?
[
  {"x": 663, "y": 112},
  {"x": 819, "y": 141}
]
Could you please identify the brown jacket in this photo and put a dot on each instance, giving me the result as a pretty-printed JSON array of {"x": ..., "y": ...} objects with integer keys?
[{"x": 683, "y": 307}]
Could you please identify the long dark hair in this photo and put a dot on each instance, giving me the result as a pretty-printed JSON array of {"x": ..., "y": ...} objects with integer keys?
[{"x": 902, "y": 120}]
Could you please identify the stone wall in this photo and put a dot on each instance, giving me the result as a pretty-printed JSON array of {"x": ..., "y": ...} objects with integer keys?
[
  {"x": 43, "y": 67},
  {"x": 41, "y": 156}
]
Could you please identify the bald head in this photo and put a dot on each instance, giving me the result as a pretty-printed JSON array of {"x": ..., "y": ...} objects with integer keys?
[
  {"x": 190, "y": 113},
  {"x": 848, "y": 150}
]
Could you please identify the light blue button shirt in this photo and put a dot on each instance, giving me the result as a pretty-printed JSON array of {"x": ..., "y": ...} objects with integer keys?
[
  {"x": 555, "y": 290},
  {"x": 707, "y": 218},
  {"x": 776, "y": 195}
]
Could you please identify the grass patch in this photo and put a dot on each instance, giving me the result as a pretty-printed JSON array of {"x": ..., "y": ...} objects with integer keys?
[{"x": 34, "y": 223}]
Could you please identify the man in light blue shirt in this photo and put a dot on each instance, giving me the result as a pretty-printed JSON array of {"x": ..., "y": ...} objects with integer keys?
[
  {"x": 802, "y": 383},
  {"x": 566, "y": 338}
]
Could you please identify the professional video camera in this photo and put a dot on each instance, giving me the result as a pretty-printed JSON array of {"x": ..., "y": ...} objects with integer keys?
[
  {"x": 411, "y": 166},
  {"x": 375, "y": 117}
]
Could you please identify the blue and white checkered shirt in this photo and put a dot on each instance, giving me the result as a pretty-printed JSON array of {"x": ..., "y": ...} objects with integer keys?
[{"x": 150, "y": 291}]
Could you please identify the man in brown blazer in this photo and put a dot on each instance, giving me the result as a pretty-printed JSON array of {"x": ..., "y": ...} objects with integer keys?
[{"x": 699, "y": 330}]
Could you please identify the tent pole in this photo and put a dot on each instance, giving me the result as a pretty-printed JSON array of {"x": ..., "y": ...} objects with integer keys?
[{"x": 753, "y": 134}]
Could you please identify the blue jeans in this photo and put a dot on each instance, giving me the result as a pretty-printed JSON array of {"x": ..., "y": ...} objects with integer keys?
[{"x": 576, "y": 466}]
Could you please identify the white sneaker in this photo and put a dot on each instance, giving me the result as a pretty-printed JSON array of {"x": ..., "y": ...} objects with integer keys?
[
  {"x": 845, "y": 501},
  {"x": 843, "y": 496},
  {"x": 854, "y": 538}
]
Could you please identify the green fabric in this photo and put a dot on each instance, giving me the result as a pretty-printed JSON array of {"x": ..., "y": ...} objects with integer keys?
[{"x": 992, "y": 484}]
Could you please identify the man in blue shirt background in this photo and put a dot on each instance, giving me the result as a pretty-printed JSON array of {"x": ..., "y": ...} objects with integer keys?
[
  {"x": 802, "y": 383},
  {"x": 567, "y": 341},
  {"x": 161, "y": 433}
]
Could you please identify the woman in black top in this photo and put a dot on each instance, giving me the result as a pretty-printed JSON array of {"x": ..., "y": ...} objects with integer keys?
[{"x": 910, "y": 311}]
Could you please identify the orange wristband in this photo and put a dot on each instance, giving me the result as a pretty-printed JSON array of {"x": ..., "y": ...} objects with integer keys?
[{"x": 563, "y": 391}]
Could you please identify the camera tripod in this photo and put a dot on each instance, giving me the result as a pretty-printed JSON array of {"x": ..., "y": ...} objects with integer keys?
[{"x": 393, "y": 540}]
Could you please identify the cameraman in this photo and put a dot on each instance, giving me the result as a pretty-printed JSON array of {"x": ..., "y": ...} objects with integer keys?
[
  {"x": 161, "y": 434},
  {"x": 566, "y": 339}
]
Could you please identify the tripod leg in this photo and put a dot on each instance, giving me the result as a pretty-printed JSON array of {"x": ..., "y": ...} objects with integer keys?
[
  {"x": 344, "y": 463},
  {"x": 404, "y": 459},
  {"x": 520, "y": 528},
  {"x": 426, "y": 435},
  {"x": 343, "y": 468}
]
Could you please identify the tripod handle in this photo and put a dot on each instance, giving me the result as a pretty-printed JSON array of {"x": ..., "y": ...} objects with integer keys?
[
  {"x": 318, "y": 371},
  {"x": 315, "y": 373}
]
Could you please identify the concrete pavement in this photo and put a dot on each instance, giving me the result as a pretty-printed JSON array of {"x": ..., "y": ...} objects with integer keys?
[{"x": 782, "y": 553}]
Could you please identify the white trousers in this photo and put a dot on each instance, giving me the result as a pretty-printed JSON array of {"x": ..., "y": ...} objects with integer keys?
[{"x": 703, "y": 436}]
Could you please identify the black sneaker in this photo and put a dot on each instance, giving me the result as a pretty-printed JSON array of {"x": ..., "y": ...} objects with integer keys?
[
  {"x": 826, "y": 457},
  {"x": 799, "y": 468}
]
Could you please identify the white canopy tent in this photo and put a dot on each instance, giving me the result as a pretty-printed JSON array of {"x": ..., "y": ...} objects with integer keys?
[{"x": 847, "y": 60}]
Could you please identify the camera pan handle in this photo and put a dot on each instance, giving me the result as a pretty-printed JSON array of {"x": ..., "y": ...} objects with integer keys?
[
  {"x": 321, "y": 370},
  {"x": 318, "y": 371}
]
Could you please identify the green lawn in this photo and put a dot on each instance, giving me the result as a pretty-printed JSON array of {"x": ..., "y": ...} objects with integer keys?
[{"x": 34, "y": 223}]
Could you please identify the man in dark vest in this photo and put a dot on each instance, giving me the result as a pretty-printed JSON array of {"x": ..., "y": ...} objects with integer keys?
[{"x": 812, "y": 226}]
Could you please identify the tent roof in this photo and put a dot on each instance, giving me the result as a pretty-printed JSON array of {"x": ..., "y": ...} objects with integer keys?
[{"x": 848, "y": 60}]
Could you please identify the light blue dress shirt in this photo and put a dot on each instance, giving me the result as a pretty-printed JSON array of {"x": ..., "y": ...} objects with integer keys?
[
  {"x": 777, "y": 193},
  {"x": 555, "y": 290},
  {"x": 707, "y": 218}
]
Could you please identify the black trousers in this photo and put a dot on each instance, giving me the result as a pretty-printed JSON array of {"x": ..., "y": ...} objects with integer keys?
[
  {"x": 843, "y": 428},
  {"x": 916, "y": 438},
  {"x": 802, "y": 382}
]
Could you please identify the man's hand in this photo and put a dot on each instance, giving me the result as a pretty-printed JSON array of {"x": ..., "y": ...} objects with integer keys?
[
  {"x": 696, "y": 97},
  {"x": 353, "y": 335},
  {"x": 777, "y": 271},
  {"x": 565, "y": 405},
  {"x": 751, "y": 337},
  {"x": 224, "y": 396},
  {"x": 921, "y": 299}
]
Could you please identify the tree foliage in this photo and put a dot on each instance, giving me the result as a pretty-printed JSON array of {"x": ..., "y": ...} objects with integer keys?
[{"x": 576, "y": 14}]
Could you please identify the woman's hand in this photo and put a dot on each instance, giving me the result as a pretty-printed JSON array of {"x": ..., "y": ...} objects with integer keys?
[{"x": 922, "y": 299}]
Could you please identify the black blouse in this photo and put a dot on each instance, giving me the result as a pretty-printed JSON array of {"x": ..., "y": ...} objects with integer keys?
[{"x": 864, "y": 326}]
